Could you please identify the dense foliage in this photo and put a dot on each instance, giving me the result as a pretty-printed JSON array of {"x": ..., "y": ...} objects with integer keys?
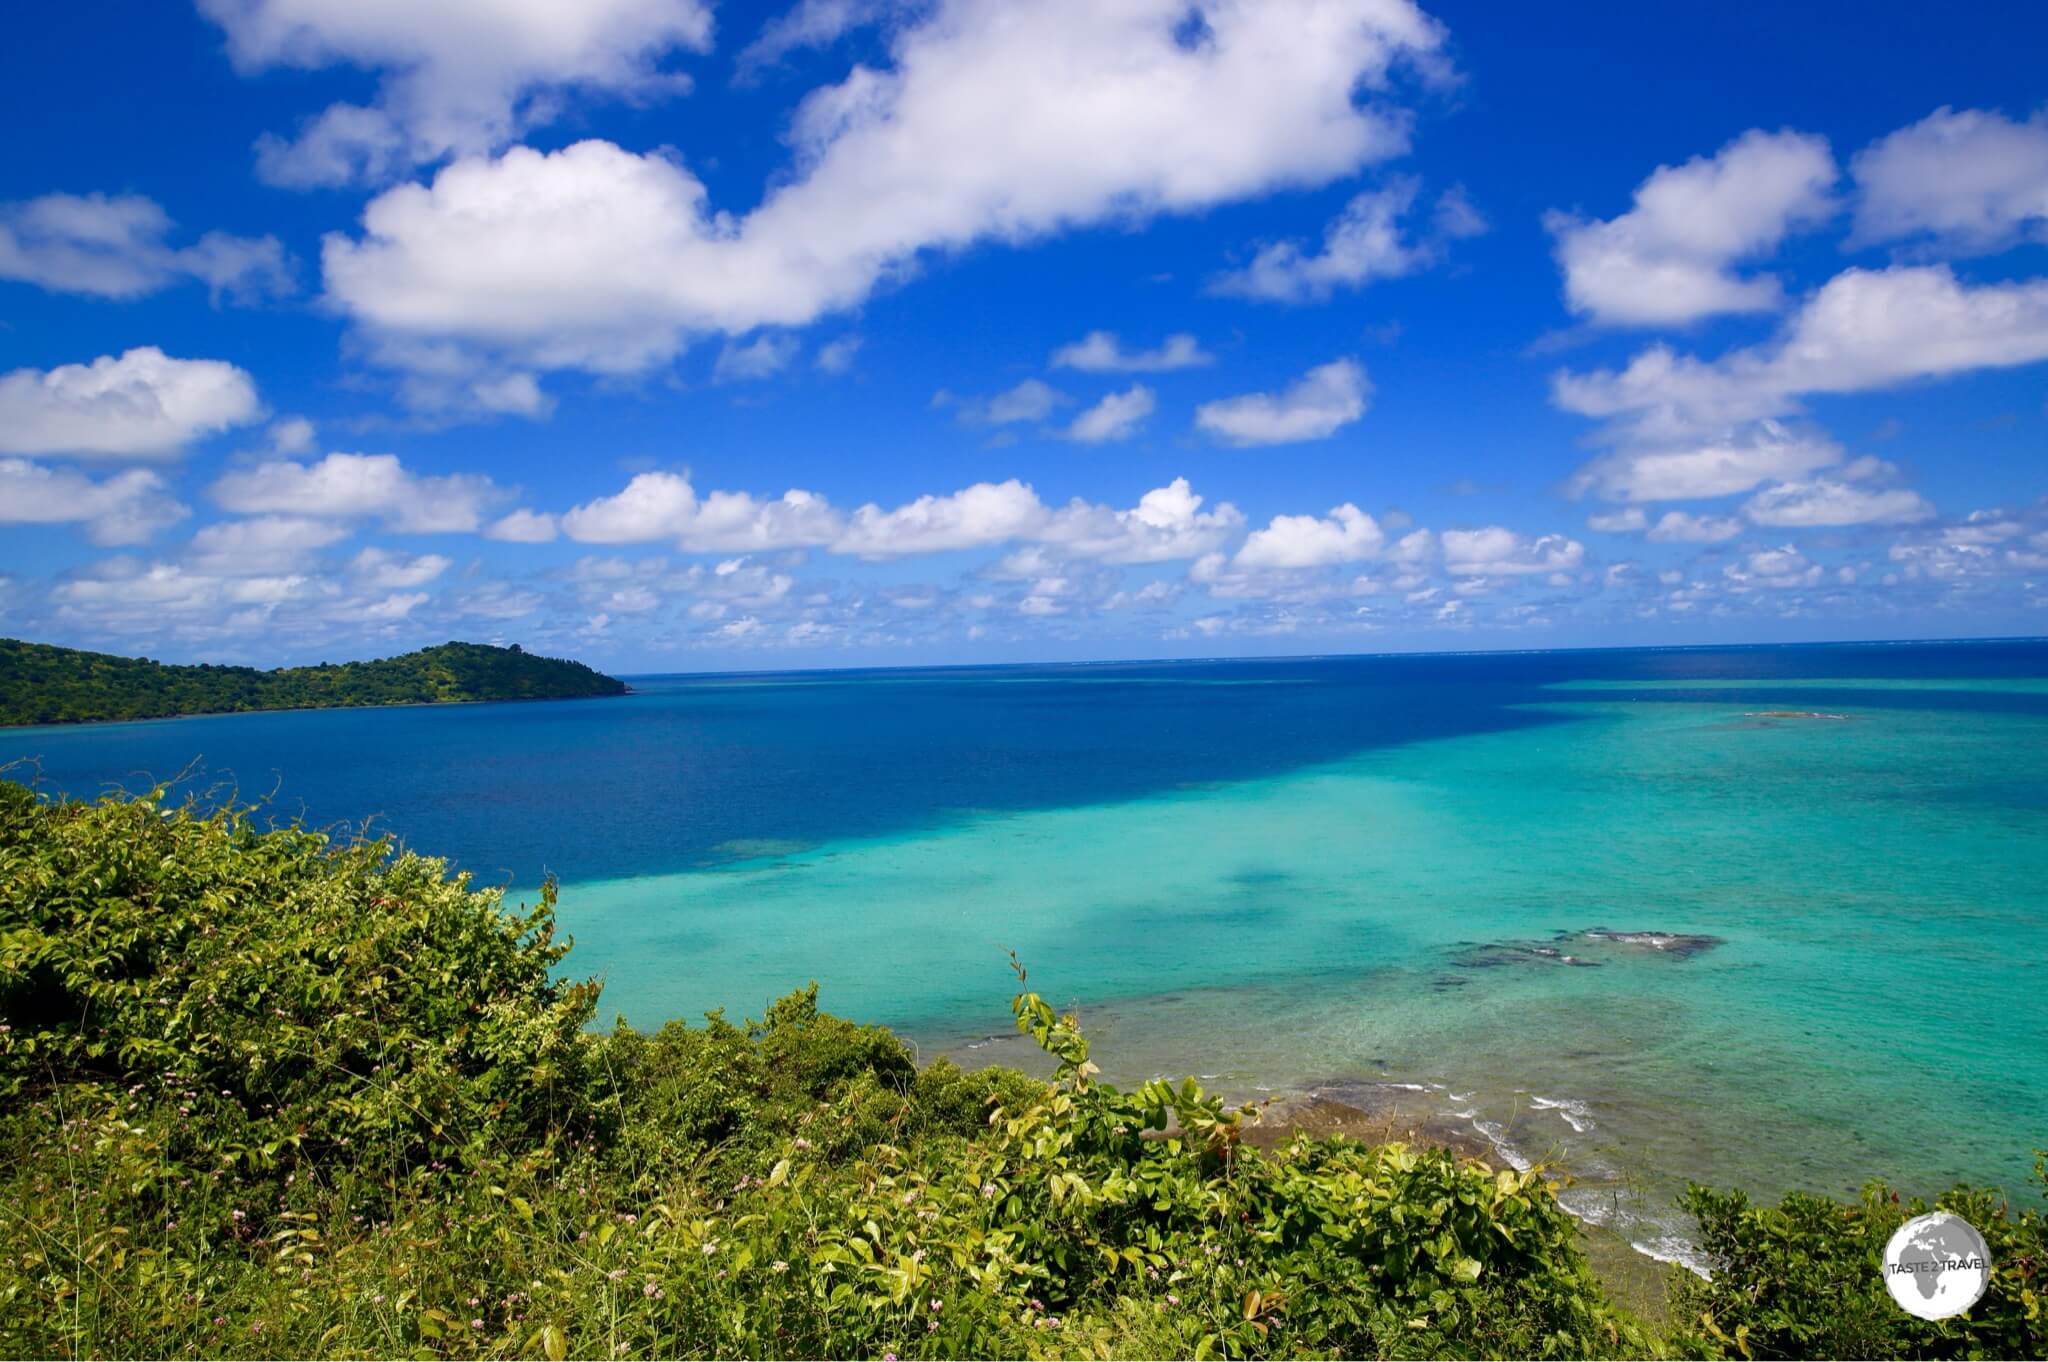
[
  {"x": 1804, "y": 1279},
  {"x": 40, "y": 684},
  {"x": 261, "y": 1095}
]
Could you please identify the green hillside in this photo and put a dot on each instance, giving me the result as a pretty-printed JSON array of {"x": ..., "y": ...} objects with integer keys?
[{"x": 40, "y": 684}]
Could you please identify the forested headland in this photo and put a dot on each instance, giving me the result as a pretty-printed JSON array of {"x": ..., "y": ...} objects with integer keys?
[
  {"x": 268, "y": 1094},
  {"x": 41, "y": 684}
]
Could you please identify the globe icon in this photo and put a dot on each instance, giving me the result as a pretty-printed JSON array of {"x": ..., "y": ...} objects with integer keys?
[{"x": 1936, "y": 1265}]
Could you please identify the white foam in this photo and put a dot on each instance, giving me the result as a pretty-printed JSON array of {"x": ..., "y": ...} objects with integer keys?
[
  {"x": 1498, "y": 1138},
  {"x": 1670, "y": 1248},
  {"x": 1575, "y": 1113}
]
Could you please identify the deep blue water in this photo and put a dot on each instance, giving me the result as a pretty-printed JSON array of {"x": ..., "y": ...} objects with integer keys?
[{"x": 694, "y": 770}]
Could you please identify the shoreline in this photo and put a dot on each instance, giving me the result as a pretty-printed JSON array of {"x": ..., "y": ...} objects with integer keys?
[{"x": 7, "y": 727}]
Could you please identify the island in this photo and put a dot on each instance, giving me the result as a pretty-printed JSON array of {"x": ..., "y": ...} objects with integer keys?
[{"x": 41, "y": 684}]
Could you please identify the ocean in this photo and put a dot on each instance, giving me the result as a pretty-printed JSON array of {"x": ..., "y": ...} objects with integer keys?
[{"x": 1773, "y": 917}]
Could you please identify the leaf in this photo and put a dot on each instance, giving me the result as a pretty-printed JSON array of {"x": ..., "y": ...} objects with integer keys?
[
  {"x": 524, "y": 1207},
  {"x": 553, "y": 1342}
]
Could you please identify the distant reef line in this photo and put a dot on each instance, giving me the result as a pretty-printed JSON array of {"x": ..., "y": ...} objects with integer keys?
[{"x": 42, "y": 684}]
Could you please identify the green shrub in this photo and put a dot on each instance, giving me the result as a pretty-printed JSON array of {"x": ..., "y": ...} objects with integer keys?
[{"x": 1804, "y": 1278}]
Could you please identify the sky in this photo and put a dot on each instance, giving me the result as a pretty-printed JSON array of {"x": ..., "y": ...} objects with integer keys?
[{"x": 680, "y": 336}]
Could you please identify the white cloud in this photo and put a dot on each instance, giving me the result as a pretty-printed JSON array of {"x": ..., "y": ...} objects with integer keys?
[
  {"x": 1320, "y": 403},
  {"x": 1778, "y": 569},
  {"x": 350, "y": 485},
  {"x": 144, "y": 404},
  {"x": 1101, "y": 352},
  {"x": 1363, "y": 243},
  {"x": 127, "y": 597},
  {"x": 811, "y": 23},
  {"x": 991, "y": 122},
  {"x": 1030, "y": 400},
  {"x": 1303, "y": 541},
  {"x": 1967, "y": 181},
  {"x": 837, "y": 356},
  {"x": 1864, "y": 329},
  {"x": 1824, "y": 501},
  {"x": 1686, "y": 427},
  {"x": 986, "y": 513},
  {"x": 1498, "y": 551},
  {"x": 458, "y": 76},
  {"x": 114, "y": 247},
  {"x": 1709, "y": 468},
  {"x": 760, "y": 358},
  {"x": 1628, "y": 520},
  {"x": 522, "y": 527},
  {"x": 1682, "y": 527},
  {"x": 292, "y": 435},
  {"x": 127, "y": 508},
  {"x": 1167, "y": 523},
  {"x": 384, "y": 570},
  {"x": 1669, "y": 259},
  {"x": 260, "y": 546},
  {"x": 663, "y": 505},
  {"x": 1116, "y": 417}
]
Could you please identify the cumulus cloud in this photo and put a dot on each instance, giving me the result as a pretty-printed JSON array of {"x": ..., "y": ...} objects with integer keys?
[
  {"x": 1628, "y": 520},
  {"x": 837, "y": 356},
  {"x": 1776, "y": 569},
  {"x": 1824, "y": 501},
  {"x": 383, "y": 570},
  {"x": 1367, "y": 241},
  {"x": 1346, "y": 535},
  {"x": 1863, "y": 330},
  {"x": 125, "y": 597},
  {"x": 1115, "y": 417},
  {"x": 986, "y": 513},
  {"x": 457, "y": 76},
  {"x": 1497, "y": 551},
  {"x": 762, "y": 357},
  {"x": 115, "y": 247},
  {"x": 811, "y": 23},
  {"x": 1686, "y": 427},
  {"x": 990, "y": 122},
  {"x": 141, "y": 405},
  {"x": 1316, "y": 406},
  {"x": 126, "y": 508},
  {"x": 661, "y": 505},
  {"x": 1168, "y": 522},
  {"x": 355, "y": 485},
  {"x": 1669, "y": 260},
  {"x": 1682, "y": 527},
  {"x": 1101, "y": 352},
  {"x": 1710, "y": 467},
  {"x": 1965, "y": 181},
  {"x": 1031, "y": 400},
  {"x": 260, "y": 546},
  {"x": 522, "y": 527}
]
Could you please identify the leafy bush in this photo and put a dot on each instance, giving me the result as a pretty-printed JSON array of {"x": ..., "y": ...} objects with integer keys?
[{"x": 1805, "y": 1279}]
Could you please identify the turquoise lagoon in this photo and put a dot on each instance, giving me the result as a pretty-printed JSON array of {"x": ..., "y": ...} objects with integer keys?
[{"x": 1358, "y": 877}]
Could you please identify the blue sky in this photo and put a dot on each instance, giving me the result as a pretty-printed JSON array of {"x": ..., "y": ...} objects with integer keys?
[{"x": 680, "y": 337}]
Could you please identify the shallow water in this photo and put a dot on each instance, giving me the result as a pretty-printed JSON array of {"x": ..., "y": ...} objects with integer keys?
[{"x": 1343, "y": 875}]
